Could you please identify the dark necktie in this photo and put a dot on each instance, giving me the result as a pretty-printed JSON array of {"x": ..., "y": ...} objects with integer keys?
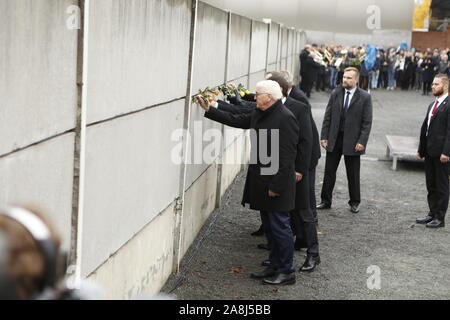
[{"x": 347, "y": 100}]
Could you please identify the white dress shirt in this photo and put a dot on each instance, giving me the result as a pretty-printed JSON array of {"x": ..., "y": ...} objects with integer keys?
[
  {"x": 440, "y": 100},
  {"x": 352, "y": 93}
]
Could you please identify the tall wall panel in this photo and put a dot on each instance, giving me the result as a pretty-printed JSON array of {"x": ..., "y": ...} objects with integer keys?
[
  {"x": 130, "y": 178},
  {"x": 273, "y": 47},
  {"x": 259, "y": 47},
  {"x": 208, "y": 71},
  {"x": 238, "y": 60},
  {"x": 128, "y": 40},
  {"x": 38, "y": 59}
]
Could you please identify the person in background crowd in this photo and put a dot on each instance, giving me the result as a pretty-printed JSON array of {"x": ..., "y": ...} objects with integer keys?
[
  {"x": 374, "y": 73},
  {"x": 444, "y": 65},
  {"x": 383, "y": 79},
  {"x": 419, "y": 71},
  {"x": 428, "y": 73},
  {"x": 392, "y": 60},
  {"x": 308, "y": 70},
  {"x": 408, "y": 72}
]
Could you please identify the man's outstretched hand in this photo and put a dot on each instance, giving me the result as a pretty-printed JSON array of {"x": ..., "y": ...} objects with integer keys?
[{"x": 203, "y": 103}]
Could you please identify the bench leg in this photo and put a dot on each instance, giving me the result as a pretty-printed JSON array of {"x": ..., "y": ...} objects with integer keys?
[
  {"x": 394, "y": 164},
  {"x": 388, "y": 153}
]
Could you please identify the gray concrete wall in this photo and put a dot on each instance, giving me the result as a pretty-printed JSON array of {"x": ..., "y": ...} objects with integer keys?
[
  {"x": 136, "y": 67},
  {"x": 38, "y": 107}
]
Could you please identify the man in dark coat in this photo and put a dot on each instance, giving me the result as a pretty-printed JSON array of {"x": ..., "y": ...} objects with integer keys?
[
  {"x": 298, "y": 95},
  {"x": 270, "y": 187},
  {"x": 345, "y": 131},
  {"x": 302, "y": 216},
  {"x": 435, "y": 148},
  {"x": 240, "y": 106}
]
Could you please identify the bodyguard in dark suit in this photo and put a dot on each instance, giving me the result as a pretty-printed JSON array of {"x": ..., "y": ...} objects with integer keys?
[
  {"x": 273, "y": 193},
  {"x": 345, "y": 131},
  {"x": 435, "y": 148},
  {"x": 299, "y": 95}
]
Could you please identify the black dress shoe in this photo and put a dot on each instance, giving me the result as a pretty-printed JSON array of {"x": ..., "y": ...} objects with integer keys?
[
  {"x": 354, "y": 208},
  {"x": 266, "y": 273},
  {"x": 424, "y": 220},
  {"x": 266, "y": 263},
  {"x": 310, "y": 264},
  {"x": 258, "y": 233},
  {"x": 280, "y": 279},
  {"x": 323, "y": 205},
  {"x": 436, "y": 223},
  {"x": 263, "y": 246}
]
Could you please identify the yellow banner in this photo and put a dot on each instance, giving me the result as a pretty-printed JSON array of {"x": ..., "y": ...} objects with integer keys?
[{"x": 421, "y": 15}]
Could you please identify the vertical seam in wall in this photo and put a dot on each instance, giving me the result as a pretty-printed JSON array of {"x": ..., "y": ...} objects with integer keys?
[
  {"x": 74, "y": 270},
  {"x": 250, "y": 54},
  {"x": 178, "y": 230},
  {"x": 269, "y": 29},
  {"x": 222, "y": 127},
  {"x": 278, "y": 48}
]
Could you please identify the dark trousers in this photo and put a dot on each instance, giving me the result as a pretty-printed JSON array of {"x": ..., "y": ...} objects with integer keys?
[
  {"x": 306, "y": 230},
  {"x": 312, "y": 192},
  {"x": 278, "y": 231},
  {"x": 426, "y": 87},
  {"x": 436, "y": 174},
  {"x": 306, "y": 85},
  {"x": 352, "y": 165},
  {"x": 303, "y": 219}
]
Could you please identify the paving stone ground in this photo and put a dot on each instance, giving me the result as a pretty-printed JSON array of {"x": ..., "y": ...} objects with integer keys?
[{"x": 414, "y": 262}]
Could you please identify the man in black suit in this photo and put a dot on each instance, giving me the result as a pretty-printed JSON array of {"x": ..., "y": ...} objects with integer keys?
[
  {"x": 345, "y": 131},
  {"x": 302, "y": 216},
  {"x": 435, "y": 148},
  {"x": 297, "y": 94},
  {"x": 269, "y": 188}
]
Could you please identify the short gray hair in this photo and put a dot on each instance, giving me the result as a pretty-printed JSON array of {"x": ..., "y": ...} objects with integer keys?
[{"x": 270, "y": 87}]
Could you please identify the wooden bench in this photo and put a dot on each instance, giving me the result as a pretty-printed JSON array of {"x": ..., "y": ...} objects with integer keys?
[{"x": 401, "y": 148}]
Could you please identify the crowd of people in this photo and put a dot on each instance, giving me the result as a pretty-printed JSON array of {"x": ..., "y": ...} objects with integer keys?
[
  {"x": 280, "y": 114},
  {"x": 286, "y": 198},
  {"x": 390, "y": 68}
]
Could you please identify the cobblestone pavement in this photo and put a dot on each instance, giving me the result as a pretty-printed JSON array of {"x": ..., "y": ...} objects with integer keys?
[{"x": 413, "y": 262}]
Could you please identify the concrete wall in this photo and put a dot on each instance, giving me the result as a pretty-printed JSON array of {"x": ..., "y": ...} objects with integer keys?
[
  {"x": 38, "y": 56},
  {"x": 136, "y": 67}
]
